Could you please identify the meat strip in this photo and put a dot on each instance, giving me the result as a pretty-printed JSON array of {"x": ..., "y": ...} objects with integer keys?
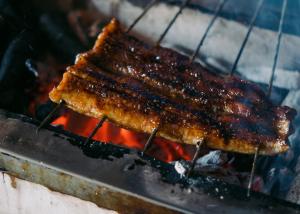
[{"x": 141, "y": 87}]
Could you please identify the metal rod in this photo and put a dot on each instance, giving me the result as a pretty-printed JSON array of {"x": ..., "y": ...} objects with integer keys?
[
  {"x": 212, "y": 21},
  {"x": 150, "y": 140},
  {"x": 252, "y": 171},
  {"x": 92, "y": 134},
  {"x": 284, "y": 4},
  {"x": 50, "y": 115},
  {"x": 147, "y": 8},
  {"x": 257, "y": 10},
  {"x": 183, "y": 5},
  {"x": 199, "y": 145}
]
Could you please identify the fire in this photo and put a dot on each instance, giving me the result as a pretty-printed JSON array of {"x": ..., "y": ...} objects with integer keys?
[
  {"x": 61, "y": 121},
  {"x": 52, "y": 70},
  {"x": 161, "y": 149}
]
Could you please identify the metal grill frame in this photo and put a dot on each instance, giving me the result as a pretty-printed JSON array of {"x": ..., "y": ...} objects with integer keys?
[{"x": 54, "y": 158}]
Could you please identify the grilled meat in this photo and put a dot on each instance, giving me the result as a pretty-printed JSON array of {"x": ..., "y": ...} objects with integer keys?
[{"x": 142, "y": 87}]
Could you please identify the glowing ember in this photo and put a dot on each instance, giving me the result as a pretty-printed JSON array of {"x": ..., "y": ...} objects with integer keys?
[
  {"x": 60, "y": 121},
  {"x": 161, "y": 149}
]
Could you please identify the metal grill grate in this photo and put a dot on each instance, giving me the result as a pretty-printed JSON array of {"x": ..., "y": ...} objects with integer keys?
[{"x": 218, "y": 9}]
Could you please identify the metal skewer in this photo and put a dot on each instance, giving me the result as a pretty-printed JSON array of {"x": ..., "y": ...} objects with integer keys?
[
  {"x": 147, "y": 8},
  {"x": 199, "y": 145},
  {"x": 183, "y": 5},
  {"x": 252, "y": 171},
  {"x": 212, "y": 21},
  {"x": 150, "y": 140},
  {"x": 284, "y": 4},
  {"x": 50, "y": 115},
  {"x": 92, "y": 134},
  {"x": 258, "y": 9}
]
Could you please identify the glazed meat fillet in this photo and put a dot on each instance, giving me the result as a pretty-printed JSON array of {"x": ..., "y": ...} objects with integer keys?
[{"x": 141, "y": 87}]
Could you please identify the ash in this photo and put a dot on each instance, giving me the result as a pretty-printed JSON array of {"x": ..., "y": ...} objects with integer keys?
[{"x": 218, "y": 164}]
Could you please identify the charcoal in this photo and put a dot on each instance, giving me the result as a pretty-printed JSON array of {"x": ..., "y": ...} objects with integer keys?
[
  {"x": 4, "y": 39},
  {"x": 18, "y": 16},
  {"x": 25, "y": 14},
  {"x": 8, "y": 31},
  {"x": 13, "y": 100},
  {"x": 59, "y": 35},
  {"x": 7, "y": 35},
  {"x": 43, "y": 110},
  {"x": 7, "y": 9},
  {"x": 241, "y": 162},
  {"x": 107, "y": 152},
  {"x": 12, "y": 69}
]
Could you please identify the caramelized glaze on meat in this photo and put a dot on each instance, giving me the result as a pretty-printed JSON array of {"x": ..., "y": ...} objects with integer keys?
[{"x": 141, "y": 87}]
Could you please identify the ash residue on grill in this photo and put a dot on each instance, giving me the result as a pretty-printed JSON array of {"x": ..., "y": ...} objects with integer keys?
[{"x": 60, "y": 36}]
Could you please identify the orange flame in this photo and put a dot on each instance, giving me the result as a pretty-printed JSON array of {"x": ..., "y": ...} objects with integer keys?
[
  {"x": 161, "y": 149},
  {"x": 51, "y": 69},
  {"x": 61, "y": 121}
]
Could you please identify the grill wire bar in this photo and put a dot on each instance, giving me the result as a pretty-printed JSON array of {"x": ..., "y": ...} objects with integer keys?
[
  {"x": 284, "y": 4},
  {"x": 92, "y": 134},
  {"x": 196, "y": 155},
  {"x": 50, "y": 115},
  {"x": 212, "y": 21},
  {"x": 150, "y": 140},
  {"x": 183, "y": 5},
  {"x": 252, "y": 171},
  {"x": 147, "y": 8},
  {"x": 252, "y": 22}
]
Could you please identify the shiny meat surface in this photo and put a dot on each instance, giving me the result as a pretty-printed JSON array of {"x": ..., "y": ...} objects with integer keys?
[{"x": 141, "y": 87}]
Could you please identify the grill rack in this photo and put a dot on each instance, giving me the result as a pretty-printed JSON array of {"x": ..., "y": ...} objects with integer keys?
[{"x": 217, "y": 11}]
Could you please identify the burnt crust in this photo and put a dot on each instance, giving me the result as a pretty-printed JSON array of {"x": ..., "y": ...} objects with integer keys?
[{"x": 162, "y": 86}]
